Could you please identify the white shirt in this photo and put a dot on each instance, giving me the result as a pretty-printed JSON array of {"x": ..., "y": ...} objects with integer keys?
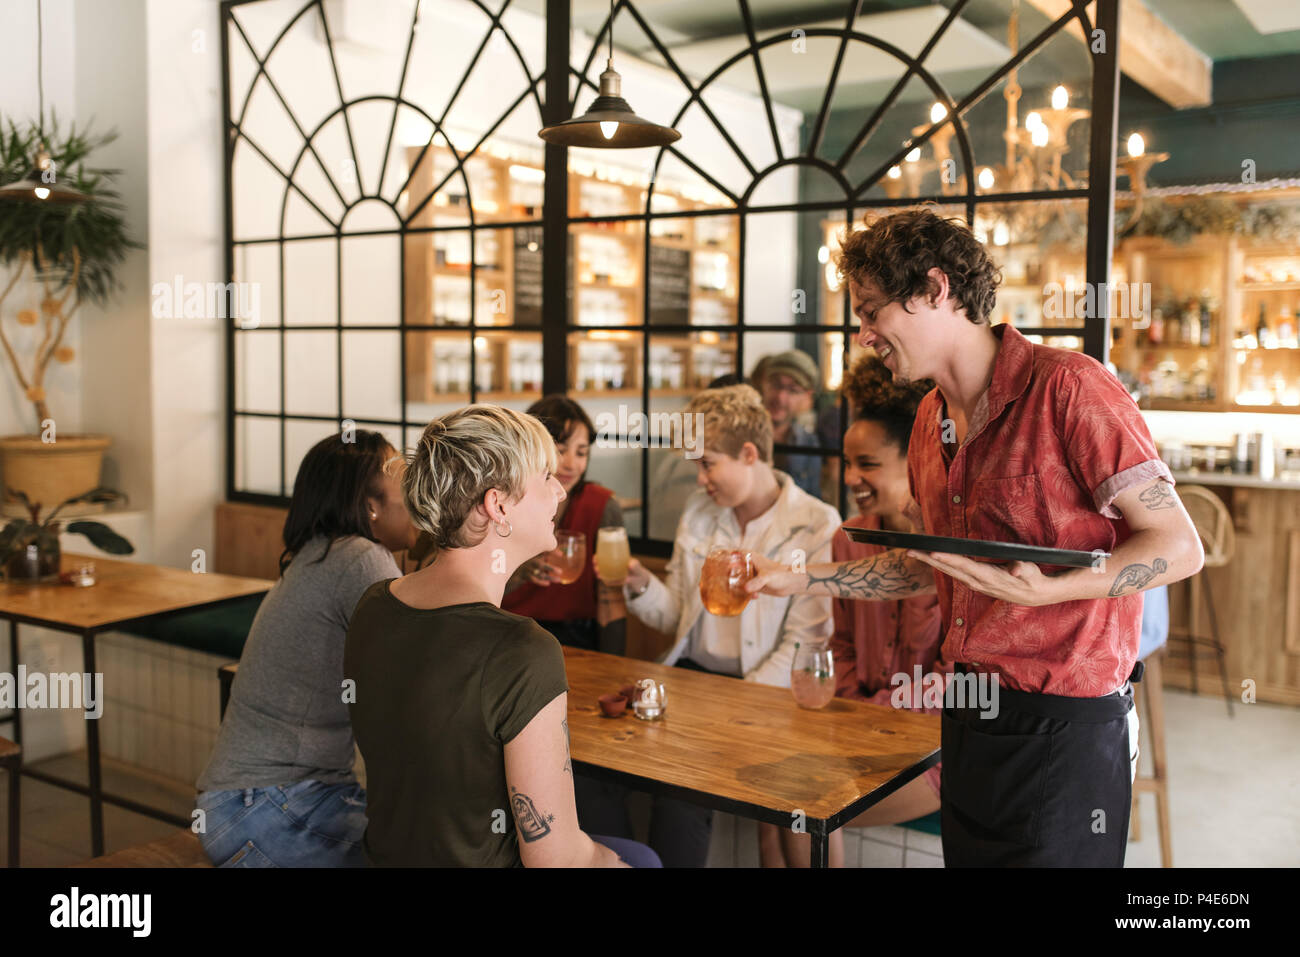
[
  {"x": 714, "y": 641},
  {"x": 770, "y": 627}
]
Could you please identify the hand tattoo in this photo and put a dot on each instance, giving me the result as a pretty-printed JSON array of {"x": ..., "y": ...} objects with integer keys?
[
  {"x": 884, "y": 576},
  {"x": 1157, "y": 496},
  {"x": 1137, "y": 576},
  {"x": 533, "y": 825}
]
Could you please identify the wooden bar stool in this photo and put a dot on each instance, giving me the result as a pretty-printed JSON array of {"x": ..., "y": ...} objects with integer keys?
[
  {"x": 1150, "y": 702},
  {"x": 11, "y": 759},
  {"x": 1214, "y": 525}
]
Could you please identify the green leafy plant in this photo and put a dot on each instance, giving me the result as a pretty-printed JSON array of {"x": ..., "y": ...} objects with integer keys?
[
  {"x": 73, "y": 249},
  {"x": 44, "y": 533}
]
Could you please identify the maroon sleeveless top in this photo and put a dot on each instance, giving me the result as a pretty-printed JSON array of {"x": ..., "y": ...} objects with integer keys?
[{"x": 567, "y": 602}]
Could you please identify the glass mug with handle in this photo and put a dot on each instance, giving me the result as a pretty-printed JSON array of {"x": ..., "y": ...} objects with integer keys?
[
  {"x": 612, "y": 553},
  {"x": 722, "y": 581},
  {"x": 568, "y": 556}
]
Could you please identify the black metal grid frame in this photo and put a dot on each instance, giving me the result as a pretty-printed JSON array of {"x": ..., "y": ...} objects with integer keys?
[{"x": 557, "y": 105}]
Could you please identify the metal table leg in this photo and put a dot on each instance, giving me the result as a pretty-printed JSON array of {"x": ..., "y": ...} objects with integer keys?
[
  {"x": 820, "y": 844},
  {"x": 17, "y": 713},
  {"x": 92, "y": 755}
]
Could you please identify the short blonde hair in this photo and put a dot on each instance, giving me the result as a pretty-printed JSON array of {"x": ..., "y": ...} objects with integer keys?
[
  {"x": 733, "y": 416},
  {"x": 462, "y": 455}
]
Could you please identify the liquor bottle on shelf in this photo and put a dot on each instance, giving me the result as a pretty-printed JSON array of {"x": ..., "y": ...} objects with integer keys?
[
  {"x": 1156, "y": 331},
  {"x": 1263, "y": 335},
  {"x": 1207, "y": 307},
  {"x": 1286, "y": 331},
  {"x": 1190, "y": 323}
]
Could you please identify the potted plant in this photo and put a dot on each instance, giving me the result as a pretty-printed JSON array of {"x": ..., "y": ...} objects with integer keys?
[
  {"x": 64, "y": 254},
  {"x": 29, "y": 547}
]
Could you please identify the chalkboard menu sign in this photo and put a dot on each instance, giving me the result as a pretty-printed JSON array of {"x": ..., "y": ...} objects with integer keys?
[
  {"x": 528, "y": 276},
  {"x": 670, "y": 285}
]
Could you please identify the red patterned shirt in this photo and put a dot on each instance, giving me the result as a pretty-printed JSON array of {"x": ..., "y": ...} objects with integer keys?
[{"x": 1049, "y": 446}]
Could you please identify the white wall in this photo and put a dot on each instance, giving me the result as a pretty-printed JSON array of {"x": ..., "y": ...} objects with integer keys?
[
  {"x": 117, "y": 367},
  {"x": 187, "y": 356}
]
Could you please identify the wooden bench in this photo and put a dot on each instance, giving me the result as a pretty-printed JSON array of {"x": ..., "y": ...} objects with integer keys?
[{"x": 181, "y": 849}]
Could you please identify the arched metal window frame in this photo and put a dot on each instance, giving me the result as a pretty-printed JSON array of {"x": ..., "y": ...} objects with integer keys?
[{"x": 558, "y": 105}]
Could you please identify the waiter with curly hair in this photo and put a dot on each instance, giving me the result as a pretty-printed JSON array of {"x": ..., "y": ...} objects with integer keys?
[{"x": 1032, "y": 445}]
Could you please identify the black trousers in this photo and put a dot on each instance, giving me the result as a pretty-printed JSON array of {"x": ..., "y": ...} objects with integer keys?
[{"x": 1044, "y": 783}]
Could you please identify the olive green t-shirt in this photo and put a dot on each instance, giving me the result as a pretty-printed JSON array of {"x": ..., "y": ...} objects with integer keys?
[{"x": 438, "y": 694}]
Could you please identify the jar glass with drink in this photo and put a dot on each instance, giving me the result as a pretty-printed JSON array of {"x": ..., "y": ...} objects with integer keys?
[
  {"x": 568, "y": 556},
  {"x": 722, "y": 581},
  {"x": 812, "y": 675},
  {"x": 612, "y": 553}
]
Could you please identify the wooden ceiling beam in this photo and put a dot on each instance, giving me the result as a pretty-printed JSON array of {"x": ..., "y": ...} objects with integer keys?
[{"x": 1152, "y": 53}]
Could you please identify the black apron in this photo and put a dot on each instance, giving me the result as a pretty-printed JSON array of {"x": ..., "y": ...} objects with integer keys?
[{"x": 1045, "y": 783}]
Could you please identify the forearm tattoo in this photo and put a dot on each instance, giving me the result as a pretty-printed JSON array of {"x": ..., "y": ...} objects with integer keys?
[
  {"x": 1137, "y": 576},
  {"x": 533, "y": 824},
  {"x": 886, "y": 576},
  {"x": 568, "y": 759},
  {"x": 1157, "y": 496}
]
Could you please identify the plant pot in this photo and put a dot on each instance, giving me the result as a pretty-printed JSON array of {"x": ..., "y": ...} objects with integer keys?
[
  {"x": 34, "y": 564},
  {"x": 49, "y": 472}
]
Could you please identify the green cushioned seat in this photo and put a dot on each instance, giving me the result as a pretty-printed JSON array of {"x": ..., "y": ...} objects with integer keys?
[
  {"x": 218, "y": 631},
  {"x": 928, "y": 824}
]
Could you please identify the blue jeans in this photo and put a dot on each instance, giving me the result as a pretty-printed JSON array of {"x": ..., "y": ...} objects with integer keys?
[{"x": 307, "y": 824}]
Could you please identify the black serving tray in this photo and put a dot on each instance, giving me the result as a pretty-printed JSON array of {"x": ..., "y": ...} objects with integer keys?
[{"x": 977, "y": 548}]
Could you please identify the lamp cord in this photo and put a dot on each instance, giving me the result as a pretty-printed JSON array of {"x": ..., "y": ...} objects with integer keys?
[
  {"x": 40, "y": 72},
  {"x": 611, "y": 30}
]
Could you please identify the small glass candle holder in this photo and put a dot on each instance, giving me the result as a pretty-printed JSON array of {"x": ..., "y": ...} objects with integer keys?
[
  {"x": 82, "y": 574},
  {"x": 650, "y": 701}
]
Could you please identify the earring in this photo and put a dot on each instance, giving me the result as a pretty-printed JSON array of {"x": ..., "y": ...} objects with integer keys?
[
  {"x": 506, "y": 533},
  {"x": 373, "y": 516}
]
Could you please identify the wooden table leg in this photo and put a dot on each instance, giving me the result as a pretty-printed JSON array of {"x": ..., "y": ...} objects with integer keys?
[
  {"x": 92, "y": 755},
  {"x": 1160, "y": 775}
]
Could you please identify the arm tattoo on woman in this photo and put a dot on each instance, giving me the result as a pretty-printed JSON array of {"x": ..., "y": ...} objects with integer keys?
[
  {"x": 1157, "y": 496},
  {"x": 568, "y": 759},
  {"x": 881, "y": 576},
  {"x": 533, "y": 825},
  {"x": 1137, "y": 576}
]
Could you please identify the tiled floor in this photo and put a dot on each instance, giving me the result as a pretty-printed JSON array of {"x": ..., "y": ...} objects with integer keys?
[{"x": 1234, "y": 792}]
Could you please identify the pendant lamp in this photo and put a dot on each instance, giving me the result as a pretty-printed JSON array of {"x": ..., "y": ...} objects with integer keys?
[
  {"x": 41, "y": 184},
  {"x": 609, "y": 122}
]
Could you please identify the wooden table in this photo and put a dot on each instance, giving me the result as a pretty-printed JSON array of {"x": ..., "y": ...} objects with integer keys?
[
  {"x": 124, "y": 593},
  {"x": 746, "y": 748}
]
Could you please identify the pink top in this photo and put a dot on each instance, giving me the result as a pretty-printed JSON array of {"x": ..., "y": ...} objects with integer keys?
[{"x": 875, "y": 640}]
